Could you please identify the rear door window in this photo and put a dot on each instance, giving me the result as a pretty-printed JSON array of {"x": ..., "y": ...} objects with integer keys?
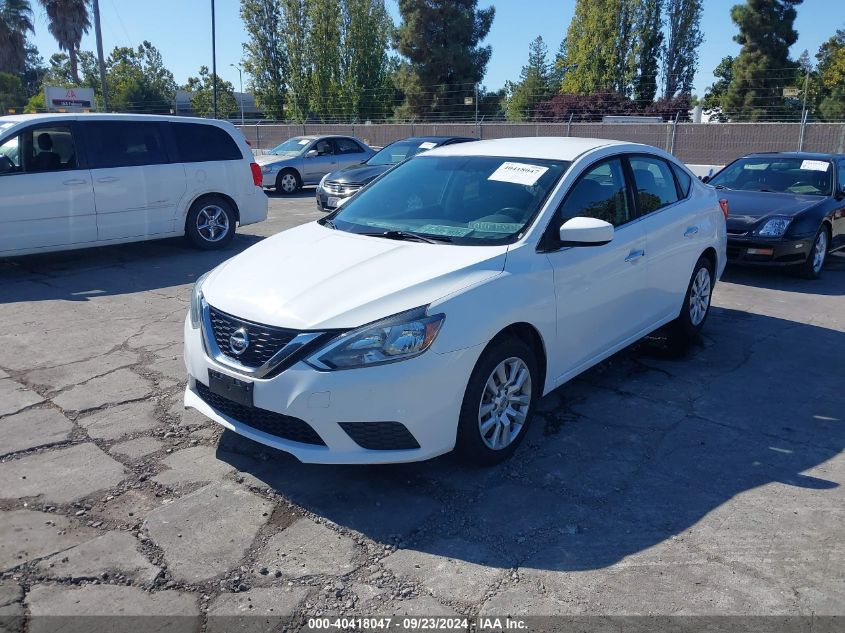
[
  {"x": 654, "y": 183},
  {"x": 347, "y": 146},
  {"x": 199, "y": 143},
  {"x": 124, "y": 143}
]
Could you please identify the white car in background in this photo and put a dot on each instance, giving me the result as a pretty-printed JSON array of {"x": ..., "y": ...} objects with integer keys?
[
  {"x": 72, "y": 181},
  {"x": 441, "y": 302}
]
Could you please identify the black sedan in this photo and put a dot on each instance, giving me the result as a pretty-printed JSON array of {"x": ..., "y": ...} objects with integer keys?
[
  {"x": 341, "y": 184},
  {"x": 785, "y": 209}
]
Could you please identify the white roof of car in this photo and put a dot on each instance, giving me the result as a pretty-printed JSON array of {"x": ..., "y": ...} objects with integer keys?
[
  {"x": 549, "y": 147},
  {"x": 46, "y": 116}
]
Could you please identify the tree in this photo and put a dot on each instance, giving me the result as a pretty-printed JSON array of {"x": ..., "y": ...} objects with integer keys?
[
  {"x": 15, "y": 23},
  {"x": 365, "y": 64},
  {"x": 763, "y": 68},
  {"x": 323, "y": 47},
  {"x": 138, "y": 81},
  {"x": 264, "y": 54},
  {"x": 33, "y": 70},
  {"x": 440, "y": 41},
  {"x": 295, "y": 27},
  {"x": 712, "y": 103},
  {"x": 68, "y": 21},
  {"x": 535, "y": 84},
  {"x": 202, "y": 98},
  {"x": 649, "y": 43},
  {"x": 680, "y": 53},
  {"x": 11, "y": 92},
  {"x": 831, "y": 72}
]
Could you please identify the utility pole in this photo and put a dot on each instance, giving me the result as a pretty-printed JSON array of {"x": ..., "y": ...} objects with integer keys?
[
  {"x": 100, "y": 62},
  {"x": 241, "y": 80},
  {"x": 213, "y": 63},
  {"x": 804, "y": 111}
]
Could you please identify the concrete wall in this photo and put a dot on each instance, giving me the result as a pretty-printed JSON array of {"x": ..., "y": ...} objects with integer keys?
[{"x": 698, "y": 143}]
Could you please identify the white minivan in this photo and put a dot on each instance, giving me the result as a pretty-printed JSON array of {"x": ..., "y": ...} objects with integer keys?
[
  {"x": 440, "y": 302},
  {"x": 77, "y": 180}
]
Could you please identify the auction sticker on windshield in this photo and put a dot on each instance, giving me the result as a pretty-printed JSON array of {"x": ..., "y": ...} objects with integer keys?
[
  {"x": 518, "y": 173},
  {"x": 427, "y": 145},
  {"x": 815, "y": 165}
]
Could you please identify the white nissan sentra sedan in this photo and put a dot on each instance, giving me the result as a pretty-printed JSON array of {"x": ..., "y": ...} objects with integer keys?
[{"x": 436, "y": 306}]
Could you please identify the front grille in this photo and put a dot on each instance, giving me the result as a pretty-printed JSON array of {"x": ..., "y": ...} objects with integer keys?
[
  {"x": 283, "y": 426},
  {"x": 264, "y": 340},
  {"x": 340, "y": 188},
  {"x": 380, "y": 436}
]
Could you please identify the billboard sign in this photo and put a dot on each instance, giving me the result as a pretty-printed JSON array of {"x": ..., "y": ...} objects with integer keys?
[{"x": 68, "y": 99}]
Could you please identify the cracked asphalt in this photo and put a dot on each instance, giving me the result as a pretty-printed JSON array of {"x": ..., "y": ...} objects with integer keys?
[{"x": 705, "y": 481}]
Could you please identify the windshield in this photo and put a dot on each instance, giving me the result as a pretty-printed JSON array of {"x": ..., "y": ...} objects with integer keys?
[
  {"x": 396, "y": 152},
  {"x": 777, "y": 174},
  {"x": 291, "y": 147},
  {"x": 461, "y": 199}
]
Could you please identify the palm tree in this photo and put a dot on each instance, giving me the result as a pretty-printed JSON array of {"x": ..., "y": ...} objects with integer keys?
[
  {"x": 15, "y": 23},
  {"x": 68, "y": 22}
]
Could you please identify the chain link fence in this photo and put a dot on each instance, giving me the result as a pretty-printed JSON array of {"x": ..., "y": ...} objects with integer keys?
[{"x": 704, "y": 143}]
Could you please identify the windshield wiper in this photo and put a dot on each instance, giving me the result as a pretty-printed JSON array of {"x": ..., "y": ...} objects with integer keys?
[
  {"x": 719, "y": 187},
  {"x": 329, "y": 223},
  {"x": 409, "y": 235}
]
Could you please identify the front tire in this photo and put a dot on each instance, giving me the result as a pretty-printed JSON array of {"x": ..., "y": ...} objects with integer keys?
[
  {"x": 210, "y": 223},
  {"x": 696, "y": 307},
  {"x": 288, "y": 182},
  {"x": 498, "y": 403},
  {"x": 814, "y": 264}
]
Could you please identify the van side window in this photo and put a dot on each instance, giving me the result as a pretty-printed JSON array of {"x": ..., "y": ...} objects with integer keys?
[
  {"x": 655, "y": 183},
  {"x": 198, "y": 143},
  {"x": 599, "y": 193},
  {"x": 124, "y": 143}
]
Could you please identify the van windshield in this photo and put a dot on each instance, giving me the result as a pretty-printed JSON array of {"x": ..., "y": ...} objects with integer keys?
[{"x": 473, "y": 200}]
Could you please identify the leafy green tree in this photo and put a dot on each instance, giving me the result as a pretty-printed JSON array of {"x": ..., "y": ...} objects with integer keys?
[
  {"x": 648, "y": 47},
  {"x": 68, "y": 21},
  {"x": 440, "y": 42},
  {"x": 138, "y": 80},
  {"x": 15, "y": 23},
  {"x": 680, "y": 52},
  {"x": 202, "y": 99},
  {"x": 712, "y": 103},
  {"x": 295, "y": 28},
  {"x": 323, "y": 46},
  {"x": 535, "y": 84},
  {"x": 11, "y": 92},
  {"x": 365, "y": 65},
  {"x": 763, "y": 68},
  {"x": 558, "y": 70},
  {"x": 265, "y": 59},
  {"x": 59, "y": 71},
  {"x": 831, "y": 72}
]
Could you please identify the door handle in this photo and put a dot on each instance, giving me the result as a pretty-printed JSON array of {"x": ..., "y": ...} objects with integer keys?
[
  {"x": 635, "y": 255},
  {"x": 108, "y": 179},
  {"x": 691, "y": 231},
  {"x": 74, "y": 181}
]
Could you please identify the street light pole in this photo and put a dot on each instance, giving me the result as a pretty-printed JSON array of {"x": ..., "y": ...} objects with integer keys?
[
  {"x": 100, "y": 62},
  {"x": 213, "y": 63},
  {"x": 241, "y": 81}
]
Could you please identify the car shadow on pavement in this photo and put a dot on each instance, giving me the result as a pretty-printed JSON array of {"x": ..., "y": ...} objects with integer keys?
[
  {"x": 636, "y": 451},
  {"x": 831, "y": 283},
  {"x": 304, "y": 193},
  {"x": 110, "y": 270}
]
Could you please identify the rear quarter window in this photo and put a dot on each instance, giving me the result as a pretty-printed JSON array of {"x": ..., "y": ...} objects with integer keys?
[
  {"x": 684, "y": 179},
  {"x": 198, "y": 143}
]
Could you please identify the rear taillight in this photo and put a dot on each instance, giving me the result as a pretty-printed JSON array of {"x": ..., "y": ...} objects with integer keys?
[
  {"x": 257, "y": 178},
  {"x": 724, "y": 204}
]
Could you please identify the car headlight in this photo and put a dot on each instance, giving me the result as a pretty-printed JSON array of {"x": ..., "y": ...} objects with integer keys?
[
  {"x": 775, "y": 227},
  {"x": 269, "y": 168},
  {"x": 395, "y": 338},
  {"x": 322, "y": 180},
  {"x": 196, "y": 301}
]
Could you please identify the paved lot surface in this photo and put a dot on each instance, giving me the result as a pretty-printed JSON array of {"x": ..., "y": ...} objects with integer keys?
[{"x": 704, "y": 481}]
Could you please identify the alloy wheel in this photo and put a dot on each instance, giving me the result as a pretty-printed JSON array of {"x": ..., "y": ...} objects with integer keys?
[
  {"x": 212, "y": 223},
  {"x": 504, "y": 403},
  {"x": 819, "y": 251},
  {"x": 699, "y": 299}
]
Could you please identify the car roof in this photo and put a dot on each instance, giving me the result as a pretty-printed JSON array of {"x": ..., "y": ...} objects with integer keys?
[
  {"x": 806, "y": 155},
  {"x": 548, "y": 147},
  {"x": 433, "y": 139},
  {"x": 103, "y": 116}
]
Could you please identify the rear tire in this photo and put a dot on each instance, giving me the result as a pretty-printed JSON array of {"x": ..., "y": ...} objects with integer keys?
[
  {"x": 288, "y": 182},
  {"x": 501, "y": 393},
  {"x": 814, "y": 264},
  {"x": 696, "y": 307},
  {"x": 210, "y": 223}
]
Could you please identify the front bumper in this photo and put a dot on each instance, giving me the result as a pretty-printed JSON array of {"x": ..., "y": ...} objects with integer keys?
[
  {"x": 773, "y": 251},
  {"x": 268, "y": 178},
  {"x": 424, "y": 394},
  {"x": 323, "y": 197}
]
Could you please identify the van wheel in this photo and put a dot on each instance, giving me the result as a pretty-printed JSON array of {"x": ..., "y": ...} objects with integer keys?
[
  {"x": 210, "y": 223},
  {"x": 498, "y": 403},
  {"x": 696, "y": 304},
  {"x": 288, "y": 182}
]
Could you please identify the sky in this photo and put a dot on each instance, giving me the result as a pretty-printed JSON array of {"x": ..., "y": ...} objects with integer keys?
[{"x": 181, "y": 29}]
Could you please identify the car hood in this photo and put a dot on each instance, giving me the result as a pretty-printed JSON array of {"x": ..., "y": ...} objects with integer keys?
[
  {"x": 312, "y": 277},
  {"x": 267, "y": 159},
  {"x": 747, "y": 208},
  {"x": 358, "y": 174}
]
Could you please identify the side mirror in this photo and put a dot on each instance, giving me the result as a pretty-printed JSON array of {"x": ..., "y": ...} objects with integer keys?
[
  {"x": 705, "y": 179},
  {"x": 311, "y": 153},
  {"x": 586, "y": 232}
]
